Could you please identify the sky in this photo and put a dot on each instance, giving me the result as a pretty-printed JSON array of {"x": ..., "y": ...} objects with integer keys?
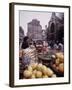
[{"x": 27, "y": 16}]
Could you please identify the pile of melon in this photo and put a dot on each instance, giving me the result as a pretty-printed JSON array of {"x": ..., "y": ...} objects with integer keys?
[
  {"x": 38, "y": 71},
  {"x": 59, "y": 62}
]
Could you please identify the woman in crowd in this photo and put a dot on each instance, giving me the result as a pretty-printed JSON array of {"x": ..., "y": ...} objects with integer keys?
[{"x": 25, "y": 42}]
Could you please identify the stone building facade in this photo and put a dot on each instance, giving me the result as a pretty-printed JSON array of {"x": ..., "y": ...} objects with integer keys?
[
  {"x": 55, "y": 30},
  {"x": 34, "y": 30},
  {"x": 44, "y": 34}
]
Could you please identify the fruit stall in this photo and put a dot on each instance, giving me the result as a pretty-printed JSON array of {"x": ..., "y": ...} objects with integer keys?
[{"x": 40, "y": 64}]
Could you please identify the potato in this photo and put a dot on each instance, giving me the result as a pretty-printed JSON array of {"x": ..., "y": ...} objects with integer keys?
[
  {"x": 61, "y": 67},
  {"x": 27, "y": 74},
  {"x": 49, "y": 72},
  {"x": 38, "y": 74}
]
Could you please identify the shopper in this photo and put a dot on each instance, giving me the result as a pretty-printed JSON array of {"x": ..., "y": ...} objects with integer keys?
[{"x": 25, "y": 42}]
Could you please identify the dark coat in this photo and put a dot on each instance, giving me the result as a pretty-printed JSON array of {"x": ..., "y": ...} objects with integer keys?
[{"x": 25, "y": 45}]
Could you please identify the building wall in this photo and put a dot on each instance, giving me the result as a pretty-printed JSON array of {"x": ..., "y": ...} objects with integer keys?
[
  {"x": 34, "y": 30},
  {"x": 55, "y": 27}
]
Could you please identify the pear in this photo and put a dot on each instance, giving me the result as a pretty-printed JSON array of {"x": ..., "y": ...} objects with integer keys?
[
  {"x": 45, "y": 76},
  {"x": 34, "y": 65},
  {"x": 54, "y": 75},
  {"x": 44, "y": 69},
  {"x": 38, "y": 74},
  {"x": 39, "y": 67},
  {"x": 27, "y": 74},
  {"x": 30, "y": 68},
  {"x": 49, "y": 72},
  {"x": 33, "y": 76},
  {"x": 34, "y": 72}
]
